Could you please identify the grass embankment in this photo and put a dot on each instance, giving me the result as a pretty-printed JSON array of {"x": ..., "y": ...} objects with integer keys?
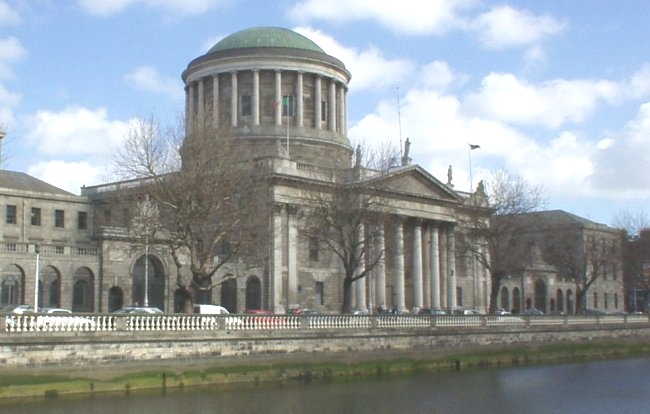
[{"x": 51, "y": 383}]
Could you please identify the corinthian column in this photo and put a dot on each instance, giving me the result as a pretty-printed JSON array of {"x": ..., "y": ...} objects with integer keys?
[
  {"x": 278, "y": 98},
  {"x": 435, "y": 268},
  {"x": 276, "y": 278},
  {"x": 318, "y": 109},
  {"x": 201, "y": 104},
  {"x": 256, "y": 97},
  {"x": 299, "y": 100},
  {"x": 215, "y": 101},
  {"x": 417, "y": 265},
  {"x": 292, "y": 256},
  {"x": 451, "y": 260},
  {"x": 332, "y": 105},
  {"x": 400, "y": 299},
  {"x": 380, "y": 270},
  {"x": 360, "y": 284},
  {"x": 233, "y": 98}
]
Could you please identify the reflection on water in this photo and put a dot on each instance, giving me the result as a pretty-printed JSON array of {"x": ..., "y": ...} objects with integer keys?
[{"x": 595, "y": 387}]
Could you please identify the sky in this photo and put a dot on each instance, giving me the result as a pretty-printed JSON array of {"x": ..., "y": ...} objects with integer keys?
[{"x": 557, "y": 92}]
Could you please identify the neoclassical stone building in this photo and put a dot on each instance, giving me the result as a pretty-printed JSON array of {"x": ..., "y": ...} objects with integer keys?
[
  {"x": 286, "y": 102},
  {"x": 559, "y": 244}
]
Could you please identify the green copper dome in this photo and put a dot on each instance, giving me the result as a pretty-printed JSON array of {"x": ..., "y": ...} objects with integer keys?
[{"x": 266, "y": 37}]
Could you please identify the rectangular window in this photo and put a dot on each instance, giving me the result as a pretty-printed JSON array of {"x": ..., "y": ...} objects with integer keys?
[
  {"x": 82, "y": 220},
  {"x": 59, "y": 219},
  {"x": 459, "y": 297},
  {"x": 10, "y": 214},
  {"x": 595, "y": 300},
  {"x": 323, "y": 111},
  {"x": 246, "y": 105},
  {"x": 320, "y": 293},
  {"x": 107, "y": 217},
  {"x": 36, "y": 216},
  {"x": 287, "y": 105},
  {"x": 313, "y": 249}
]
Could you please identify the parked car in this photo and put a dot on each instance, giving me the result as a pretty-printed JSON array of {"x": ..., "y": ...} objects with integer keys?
[
  {"x": 139, "y": 309},
  {"x": 207, "y": 309},
  {"x": 432, "y": 311},
  {"x": 302, "y": 311},
  {"x": 502, "y": 311},
  {"x": 17, "y": 309},
  {"x": 531, "y": 312},
  {"x": 593, "y": 312}
]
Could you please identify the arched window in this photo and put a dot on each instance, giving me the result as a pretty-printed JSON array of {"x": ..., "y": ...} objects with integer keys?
[
  {"x": 11, "y": 286},
  {"x": 154, "y": 274},
  {"x": 253, "y": 293},
  {"x": 559, "y": 299},
  {"x": 569, "y": 302},
  {"x": 82, "y": 291},
  {"x": 229, "y": 295},
  {"x": 540, "y": 295},
  {"x": 115, "y": 298},
  {"x": 80, "y": 295},
  {"x": 505, "y": 298},
  {"x": 516, "y": 300}
]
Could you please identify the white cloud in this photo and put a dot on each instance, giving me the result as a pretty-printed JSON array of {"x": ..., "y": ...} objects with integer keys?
[
  {"x": 11, "y": 50},
  {"x": 105, "y": 8},
  {"x": 370, "y": 68},
  {"x": 506, "y": 26},
  {"x": 69, "y": 176},
  {"x": 75, "y": 131},
  {"x": 623, "y": 162},
  {"x": 8, "y": 16},
  {"x": 148, "y": 79},
  {"x": 405, "y": 16},
  {"x": 552, "y": 103}
]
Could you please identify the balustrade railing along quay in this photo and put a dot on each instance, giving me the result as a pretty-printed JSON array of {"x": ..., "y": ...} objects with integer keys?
[{"x": 87, "y": 323}]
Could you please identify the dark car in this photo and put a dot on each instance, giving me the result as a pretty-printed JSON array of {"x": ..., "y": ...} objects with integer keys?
[
  {"x": 139, "y": 309},
  {"x": 531, "y": 312},
  {"x": 432, "y": 311}
]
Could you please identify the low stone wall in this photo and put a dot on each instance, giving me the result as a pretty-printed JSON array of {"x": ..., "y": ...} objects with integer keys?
[{"x": 88, "y": 349}]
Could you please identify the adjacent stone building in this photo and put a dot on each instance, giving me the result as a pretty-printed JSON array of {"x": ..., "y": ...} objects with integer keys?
[{"x": 564, "y": 254}]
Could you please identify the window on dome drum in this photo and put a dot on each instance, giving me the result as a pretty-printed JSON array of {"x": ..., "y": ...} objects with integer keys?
[
  {"x": 323, "y": 110},
  {"x": 82, "y": 220},
  {"x": 59, "y": 219},
  {"x": 10, "y": 214},
  {"x": 36, "y": 216},
  {"x": 246, "y": 105},
  {"x": 287, "y": 105}
]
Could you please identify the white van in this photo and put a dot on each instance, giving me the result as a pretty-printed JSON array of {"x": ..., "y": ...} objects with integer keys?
[{"x": 210, "y": 309}]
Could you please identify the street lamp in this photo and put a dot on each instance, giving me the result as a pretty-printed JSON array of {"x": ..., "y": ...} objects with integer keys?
[{"x": 38, "y": 253}]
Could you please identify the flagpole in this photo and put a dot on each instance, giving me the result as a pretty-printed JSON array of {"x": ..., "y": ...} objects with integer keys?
[
  {"x": 469, "y": 156},
  {"x": 470, "y": 148}
]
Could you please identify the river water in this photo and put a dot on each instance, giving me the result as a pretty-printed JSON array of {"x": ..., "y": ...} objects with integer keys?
[{"x": 621, "y": 386}]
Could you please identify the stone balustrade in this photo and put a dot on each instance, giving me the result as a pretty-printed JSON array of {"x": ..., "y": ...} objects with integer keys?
[{"x": 82, "y": 323}]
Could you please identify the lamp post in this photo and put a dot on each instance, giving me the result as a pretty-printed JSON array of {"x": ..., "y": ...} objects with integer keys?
[
  {"x": 38, "y": 253},
  {"x": 146, "y": 271}
]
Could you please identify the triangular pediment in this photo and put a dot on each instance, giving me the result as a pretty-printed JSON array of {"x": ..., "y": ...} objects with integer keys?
[{"x": 416, "y": 181}]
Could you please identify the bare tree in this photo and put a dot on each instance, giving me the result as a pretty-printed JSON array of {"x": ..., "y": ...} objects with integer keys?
[
  {"x": 212, "y": 201},
  {"x": 495, "y": 239},
  {"x": 583, "y": 257},
  {"x": 344, "y": 214},
  {"x": 636, "y": 257}
]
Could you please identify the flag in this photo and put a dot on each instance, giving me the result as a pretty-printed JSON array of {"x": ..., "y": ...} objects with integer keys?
[{"x": 473, "y": 146}]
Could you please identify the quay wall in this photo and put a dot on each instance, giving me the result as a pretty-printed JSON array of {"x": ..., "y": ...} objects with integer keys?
[{"x": 118, "y": 342}]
